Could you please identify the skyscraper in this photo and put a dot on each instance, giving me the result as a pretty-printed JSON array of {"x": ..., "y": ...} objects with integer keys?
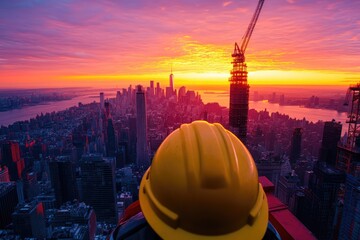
[
  {"x": 132, "y": 140},
  {"x": 350, "y": 223},
  {"x": 29, "y": 220},
  {"x": 102, "y": 101},
  {"x": 31, "y": 185},
  {"x": 331, "y": 136},
  {"x": 63, "y": 179},
  {"x": 348, "y": 156},
  {"x": 348, "y": 160},
  {"x": 295, "y": 148},
  {"x": 141, "y": 127},
  {"x": 182, "y": 94},
  {"x": 11, "y": 158},
  {"x": 320, "y": 200},
  {"x": 158, "y": 90},
  {"x": 110, "y": 139},
  {"x": 287, "y": 186},
  {"x": 8, "y": 202},
  {"x": 171, "y": 79},
  {"x": 151, "y": 92},
  {"x": 98, "y": 186}
]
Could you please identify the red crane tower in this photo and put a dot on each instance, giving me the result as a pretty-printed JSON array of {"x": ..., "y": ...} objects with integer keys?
[{"x": 239, "y": 88}]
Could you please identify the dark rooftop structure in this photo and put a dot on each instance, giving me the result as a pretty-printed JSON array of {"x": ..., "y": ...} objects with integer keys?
[{"x": 288, "y": 226}]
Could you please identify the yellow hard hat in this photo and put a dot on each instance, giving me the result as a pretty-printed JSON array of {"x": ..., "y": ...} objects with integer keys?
[{"x": 203, "y": 184}]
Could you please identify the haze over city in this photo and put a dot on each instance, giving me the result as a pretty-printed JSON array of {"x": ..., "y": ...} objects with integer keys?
[{"x": 114, "y": 43}]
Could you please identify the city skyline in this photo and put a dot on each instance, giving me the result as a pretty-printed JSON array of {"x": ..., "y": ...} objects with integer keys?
[
  {"x": 63, "y": 44},
  {"x": 95, "y": 93}
]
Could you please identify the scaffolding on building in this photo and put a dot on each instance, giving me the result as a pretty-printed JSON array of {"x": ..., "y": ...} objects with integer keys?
[{"x": 348, "y": 156}]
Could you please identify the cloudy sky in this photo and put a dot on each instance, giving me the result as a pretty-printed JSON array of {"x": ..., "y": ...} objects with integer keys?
[{"x": 48, "y": 43}]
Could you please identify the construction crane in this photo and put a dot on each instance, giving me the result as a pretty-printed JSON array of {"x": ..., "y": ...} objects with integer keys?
[
  {"x": 240, "y": 52},
  {"x": 239, "y": 88}
]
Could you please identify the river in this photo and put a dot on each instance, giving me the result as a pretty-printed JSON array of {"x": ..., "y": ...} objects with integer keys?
[{"x": 313, "y": 115}]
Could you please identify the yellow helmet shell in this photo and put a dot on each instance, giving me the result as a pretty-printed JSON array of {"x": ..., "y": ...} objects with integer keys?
[{"x": 203, "y": 184}]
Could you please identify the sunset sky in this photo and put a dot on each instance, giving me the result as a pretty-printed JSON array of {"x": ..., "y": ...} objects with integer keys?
[{"x": 62, "y": 43}]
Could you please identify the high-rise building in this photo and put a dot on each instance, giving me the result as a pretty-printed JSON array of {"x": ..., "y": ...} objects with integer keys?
[
  {"x": 287, "y": 187},
  {"x": 74, "y": 213},
  {"x": 102, "y": 101},
  {"x": 239, "y": 98},
  {"x": 168, "y": 92},
  {"x": 348, "y": 156},
  {"x": 350, "y": 223},
  {"x": 132, "y": 140},
  {"x": 8, "y": 202},
  {"x": 141, "y": 128},
  {"x": 319, "y": 210},
  {"x": 110, "y": 139},
  {"x": 182, "y": 94},
  {"x": 11, "y": 158},
  {"x": 4, "y": 174},
  {"x": 98, "y": 186},
  {"x": 29, "y": 220},
  {"x": 118, "y": 97},
  {"x": 158, "y": 90},
  {"x": 271, "y": 168},
  {"x": 151, "y": 92},
  {"x": 330, "y": 139},
  {"x": 63, "y": 179},
  {"x": 31, "y": 185},
  {"x": 348, "y": 160},
  {"x": 295, "y": 148},
  {"x": 171, "y": 81}
]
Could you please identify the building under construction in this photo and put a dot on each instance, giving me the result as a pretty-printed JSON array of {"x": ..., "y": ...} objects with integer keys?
[
  {"x": 348, "y": 156},
  {"x": 239, "y": 99},
  {"x": 239, "y": 87},
  {"x": 348, "y": 160}
]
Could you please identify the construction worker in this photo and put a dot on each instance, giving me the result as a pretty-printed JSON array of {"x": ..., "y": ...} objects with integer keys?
[{"x": 202, "y": 184}]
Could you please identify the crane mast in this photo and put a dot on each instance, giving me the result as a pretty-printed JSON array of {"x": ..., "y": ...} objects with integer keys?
[{"x": 239, "y": 88}]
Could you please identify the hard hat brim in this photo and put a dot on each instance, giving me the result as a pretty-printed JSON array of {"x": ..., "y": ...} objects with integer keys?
[{"x": 254, "y": 231}]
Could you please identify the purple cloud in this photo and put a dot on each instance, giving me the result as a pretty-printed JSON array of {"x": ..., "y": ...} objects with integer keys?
[{"x": 111, "y": 36}]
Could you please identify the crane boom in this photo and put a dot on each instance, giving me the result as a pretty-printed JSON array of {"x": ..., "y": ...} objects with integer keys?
[{"x": 250, "y": 29}]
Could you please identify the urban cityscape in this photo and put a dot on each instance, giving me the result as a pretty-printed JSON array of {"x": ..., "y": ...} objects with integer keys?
[{"x": 72, "y": 157}]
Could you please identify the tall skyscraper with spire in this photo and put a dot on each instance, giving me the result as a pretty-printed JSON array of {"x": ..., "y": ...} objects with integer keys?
[
  {"x": 170, "y": 90},
  {"x": 171, "y": 78},
  {"x": 141, "y": 136}
]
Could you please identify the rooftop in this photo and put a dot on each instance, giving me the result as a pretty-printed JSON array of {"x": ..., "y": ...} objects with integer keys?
[
  {"x": 4, "y": 186},
  {"x": 288, "y": 226}
]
